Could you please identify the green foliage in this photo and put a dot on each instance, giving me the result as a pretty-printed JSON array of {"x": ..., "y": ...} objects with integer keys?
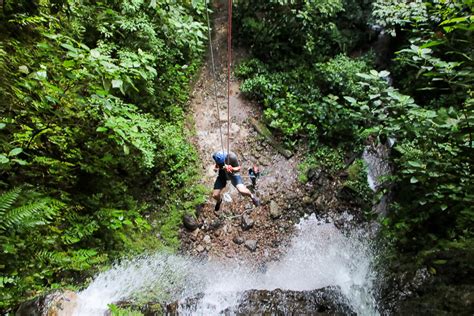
[
  {"x": 118, "y": 311},
  {"x": 357, "y": 181},
  {"x": 434, "y": 173},
  {"x": 277, "y": 30},
  {"x": 394, "y": 14},
  {"x": 93, "y": 96},
  {"x": 339, "y": 75},
  {"x": 313, "y": 93},
  {"x": 308, "y": 100},
  {"x": 323, "y": 157},
  {"x": 434, "y": 127}
]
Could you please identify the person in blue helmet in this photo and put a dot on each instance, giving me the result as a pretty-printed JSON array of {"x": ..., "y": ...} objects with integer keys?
[{"x": 229, "y": 169}]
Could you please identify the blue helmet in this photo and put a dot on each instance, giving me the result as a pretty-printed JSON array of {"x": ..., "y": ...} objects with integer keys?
[{"x": 219, "y": 157}]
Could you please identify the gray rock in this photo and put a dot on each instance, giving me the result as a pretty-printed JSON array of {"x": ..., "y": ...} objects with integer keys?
[
  {"x": 215, "y": 224},
  {"x": 325, "y": 301},
  {"x": 313, "y": 174},
  {"x": 247, "y": 222},
  {"x": 275, "y": 211},
  {"x": 199, "y": 248},
  {"x": 307, "y": 200},
  {"x": 238, "y": 240},
  {"x": 251, "y": 245},
  {"x": 190, "y": 222},
  {"x": 207, "y": 239}
]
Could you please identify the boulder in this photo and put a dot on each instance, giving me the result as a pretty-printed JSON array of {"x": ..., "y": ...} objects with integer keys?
[
  {"x": 247, "y": 222},
  {"x": 57, "y": 303},
  {"x": 325, "y": 301},
  {"x": 238, "y": 240},
  {"x": 307, "y": 200},
  {"x": 251, "y": 245},
  {"x": 275, "y": 211},
  {"x": 190, "y": 223},
  {"x": 313, "y": 174}
]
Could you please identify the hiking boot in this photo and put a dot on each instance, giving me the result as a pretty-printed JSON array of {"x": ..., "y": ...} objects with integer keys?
[
  {"x": 218, "y": 206},
  {"x": 255, "y": 200}
]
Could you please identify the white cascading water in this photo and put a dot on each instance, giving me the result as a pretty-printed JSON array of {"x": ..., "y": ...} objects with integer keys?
[{"x": 319, "y": 255}]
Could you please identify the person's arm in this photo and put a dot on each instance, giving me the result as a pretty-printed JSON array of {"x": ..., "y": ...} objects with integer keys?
[
  {"x": 236, "y": 169},
  {"x": 233, "y": 164},
  {"x": 231, "y": 168}
]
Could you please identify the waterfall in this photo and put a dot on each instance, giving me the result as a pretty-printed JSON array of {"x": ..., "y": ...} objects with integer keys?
[
  {"x": 319, "y": 255},
  {"x": 377, "y": 159}
]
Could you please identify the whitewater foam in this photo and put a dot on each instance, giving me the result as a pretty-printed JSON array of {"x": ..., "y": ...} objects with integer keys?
[{"x": 319, "y": 255}]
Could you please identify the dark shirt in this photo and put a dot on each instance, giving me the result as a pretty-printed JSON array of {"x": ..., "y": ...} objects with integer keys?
[{"x": 232, "y": 160}]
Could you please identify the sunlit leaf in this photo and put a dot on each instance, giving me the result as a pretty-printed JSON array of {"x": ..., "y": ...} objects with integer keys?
[
  {"x": 15, "y": 151},
  {"x": 117, "y": 83},
  {"x": 4, "y": 159},
  {"x": 24, "y": 69}
]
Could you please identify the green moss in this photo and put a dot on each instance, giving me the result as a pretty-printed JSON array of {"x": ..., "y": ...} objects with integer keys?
[
  {"x": 323, "y": 157},
  {"x": 119, "y": 311},
  {"x": 357, "y": 181}
]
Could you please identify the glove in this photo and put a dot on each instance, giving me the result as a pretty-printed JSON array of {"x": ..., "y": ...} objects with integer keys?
[{"x": 229, "y": 168}]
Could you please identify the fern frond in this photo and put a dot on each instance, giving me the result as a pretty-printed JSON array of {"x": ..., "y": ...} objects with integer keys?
[
  {"x": 53, "y": 257},
  {"x": 29, "y": 215},
  {"x": 16, "y": 218},
  {"x": 8, "y": 198}
]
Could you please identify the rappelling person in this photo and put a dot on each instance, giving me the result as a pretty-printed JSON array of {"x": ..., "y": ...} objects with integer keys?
[
  {"x": 229, "y": 169},
  {"x": 254, "y": 174}
]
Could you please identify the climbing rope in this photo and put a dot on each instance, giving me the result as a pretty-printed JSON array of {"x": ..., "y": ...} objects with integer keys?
[
  {"x": 216, "y": 99},
  {"x": 229, "y": 64}
]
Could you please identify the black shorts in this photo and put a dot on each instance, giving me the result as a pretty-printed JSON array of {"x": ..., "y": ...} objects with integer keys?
[{"x": 221, "y": 180}]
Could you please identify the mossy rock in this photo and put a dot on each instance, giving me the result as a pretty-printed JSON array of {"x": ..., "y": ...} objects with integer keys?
[{"x": 263, "y": 130}]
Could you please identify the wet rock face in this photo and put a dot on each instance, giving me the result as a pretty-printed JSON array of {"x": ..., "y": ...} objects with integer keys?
[
  {"x": 325, "y": 301},
  {"x": 58, "y": 303},
  {"x": 279, "y": 302}
]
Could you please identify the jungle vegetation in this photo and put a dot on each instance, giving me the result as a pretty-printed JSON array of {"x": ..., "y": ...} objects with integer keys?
[
  {"x": 93, "y": 97},
  {"x": 333, "y": 74},
  {"x": 92, "y": 134}
]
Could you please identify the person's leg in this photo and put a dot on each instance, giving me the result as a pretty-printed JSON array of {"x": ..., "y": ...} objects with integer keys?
[
  {"x": 243, "y": 190},
  {"x": 238, "y": 183},
  {"x": 219, "y": 184},
  {"x": 216, "y": 195}
]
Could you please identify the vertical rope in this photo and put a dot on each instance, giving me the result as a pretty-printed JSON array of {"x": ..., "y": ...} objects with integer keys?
[
  {"x": 214, "y": 77},
  {"x": 229, "y": 64}
]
